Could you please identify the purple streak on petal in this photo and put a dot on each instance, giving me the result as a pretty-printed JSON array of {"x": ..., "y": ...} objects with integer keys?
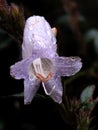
[
  {"x": 57, "y": 91},
  {"x": 67, "y": 66},
  {"x": 30, "y": 88}
]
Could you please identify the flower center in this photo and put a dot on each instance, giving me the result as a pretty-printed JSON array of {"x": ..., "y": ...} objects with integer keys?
[{"x": 42, "y": 68}]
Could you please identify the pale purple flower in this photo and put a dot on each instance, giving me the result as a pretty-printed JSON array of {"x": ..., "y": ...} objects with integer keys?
[{"x": 41, "y": 63}]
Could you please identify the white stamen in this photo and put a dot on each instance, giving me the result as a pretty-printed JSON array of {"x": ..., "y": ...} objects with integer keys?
[
  {"x": 48, "y": 93},
  {"x": 38, "y": 67}
]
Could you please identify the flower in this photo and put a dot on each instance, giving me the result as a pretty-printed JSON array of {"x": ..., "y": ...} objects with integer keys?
[{"x": 41, "y": 63}]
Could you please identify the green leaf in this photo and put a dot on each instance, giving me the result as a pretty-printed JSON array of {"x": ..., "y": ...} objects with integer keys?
[{"x": 87, "y": 93}]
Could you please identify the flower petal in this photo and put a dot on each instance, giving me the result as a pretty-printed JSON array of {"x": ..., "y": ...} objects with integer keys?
[
  {"x": 37, "y": 36},
  {"x": 67, "y": 66},
  {"x": 30, "y": 88},
  {"x": 20, "y": 69},
  {"x": 54, "y": 88}
]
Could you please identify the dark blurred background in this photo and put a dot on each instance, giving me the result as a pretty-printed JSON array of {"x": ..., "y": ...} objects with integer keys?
[{"x": 77, "y": 25}]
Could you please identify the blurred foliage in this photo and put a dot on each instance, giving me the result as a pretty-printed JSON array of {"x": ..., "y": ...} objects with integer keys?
[{"x": 12, "y": 19}]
